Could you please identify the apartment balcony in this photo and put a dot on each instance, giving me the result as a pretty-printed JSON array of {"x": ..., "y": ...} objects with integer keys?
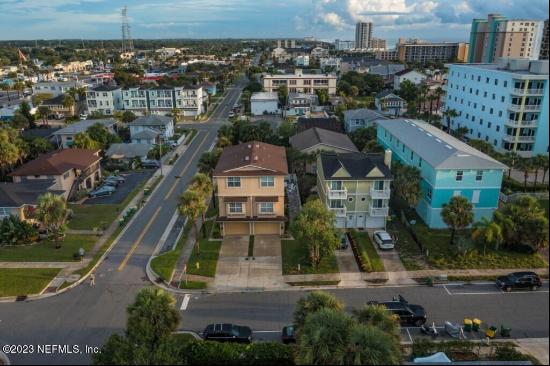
[
  {"x": 525, "y": 108},
  {"x": 337, "y": 194},
  {"x": 513, "y": 123},
  {"x": 380, "y": 194},
  {"x": 339, "y": 211},
  {"x": 520, "y": 91},
  {"x": 520, "y": 139},
  {"x": 379, "y": 212}
]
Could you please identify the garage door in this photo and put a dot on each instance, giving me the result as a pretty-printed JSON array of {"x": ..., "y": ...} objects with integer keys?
[
  {"x": 236, "y": 228},
  {"x": 267, "y": 228}
]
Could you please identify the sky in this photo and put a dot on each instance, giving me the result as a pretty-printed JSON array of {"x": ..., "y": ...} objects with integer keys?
[{"x": 435, "y": 20}]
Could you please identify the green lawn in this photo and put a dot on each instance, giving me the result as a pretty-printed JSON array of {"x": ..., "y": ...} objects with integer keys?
[
  {"x": 164, "y": 264},
  {"x": 545, "y": 204},
  {"x": 371, "y": 261},
  {"x": 45, "y": 251},
  {"x": 406, "y": 247},
  {"x": 87, "y": 217},
  {"x": 295, "y": 253},
  {"x": 25, "y": 281},
  {"x": 193, "y": 285},
  {"x": 208, "y": 259}
]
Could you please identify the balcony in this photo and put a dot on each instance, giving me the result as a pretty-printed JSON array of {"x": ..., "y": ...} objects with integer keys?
[
  {"x": 519, "y": 91},
  {"x": 379, "y": 212},
  {"x": 380, "y": 193},
  {"x": 339, "y": 211},
  {"x": 525, "y": 108},
  {"x": 337, "y": 194},
  {"x": 513, "y": 123},
  {"x": 520, "y": 139}
]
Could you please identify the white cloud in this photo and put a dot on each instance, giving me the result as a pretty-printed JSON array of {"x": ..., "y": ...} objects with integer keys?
[{"x": 333, "y": 20}]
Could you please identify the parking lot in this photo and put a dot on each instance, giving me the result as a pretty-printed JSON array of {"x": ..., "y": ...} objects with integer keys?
[{"x": 133, "y": 179}]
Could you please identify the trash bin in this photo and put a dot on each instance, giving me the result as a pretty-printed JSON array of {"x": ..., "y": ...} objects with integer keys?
[
  {"x": 467, "y": 325},
  {"x": 476, "y": 324},
  {"x": 505, "y": 331},
  {"x": 491, "y": 332}
]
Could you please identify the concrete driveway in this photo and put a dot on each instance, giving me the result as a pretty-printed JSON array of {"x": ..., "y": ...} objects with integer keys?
[
  {"x": 397, "y": 274},
  {"x": 237, "y": 271}
]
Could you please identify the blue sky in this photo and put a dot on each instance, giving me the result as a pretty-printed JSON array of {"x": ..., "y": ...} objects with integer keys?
[{"x": 324, "y": 19}]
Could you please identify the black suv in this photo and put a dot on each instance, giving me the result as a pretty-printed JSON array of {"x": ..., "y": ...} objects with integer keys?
[
  {"x": 227, "y": 333},
  {"x": 408, "y": 314},
  {"x": 519, "y": 280}
]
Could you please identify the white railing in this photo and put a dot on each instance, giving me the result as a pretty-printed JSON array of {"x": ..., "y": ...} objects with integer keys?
[
  {"x": 519, "y": 138},
  {"x": 377, "y": 212},
  {"x": 511, "y": 122},
  {"x": 525, "y": 108},
  {"x": 339, "y": 212},
  {"x": 529, "y": 91},
  {"x": 337, "y": 194},
  {"x": 380, "y": 193}
]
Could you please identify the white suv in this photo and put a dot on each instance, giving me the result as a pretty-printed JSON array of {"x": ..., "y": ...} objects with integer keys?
[{"x": 383, "y": 240}]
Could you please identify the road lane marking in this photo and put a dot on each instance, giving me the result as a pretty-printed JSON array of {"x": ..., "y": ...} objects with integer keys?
[
  {"x": 497, "y": 291},
  {"x": 134, "y": 247},
  {"x": 185, "y": 302},
  {"x": 184, "y": 169}
]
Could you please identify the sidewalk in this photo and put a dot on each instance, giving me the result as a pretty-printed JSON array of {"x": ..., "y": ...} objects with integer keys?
[{"x": 186, "y": 251}]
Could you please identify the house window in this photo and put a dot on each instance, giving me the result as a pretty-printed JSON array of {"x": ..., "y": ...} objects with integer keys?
[
  {"x": 350, "y": 199},
  {"x": 336, "y": 185},
  {"x": 479, "y": 175},
  {"x": 475, "y": 196},
  {"x": 235, "y": 208},
  {"x": 459, "y": 175},
  {"x": 266, "y": 207},
  {"x": 267, "y": 182},
  {"x": 233, "y": 182}
]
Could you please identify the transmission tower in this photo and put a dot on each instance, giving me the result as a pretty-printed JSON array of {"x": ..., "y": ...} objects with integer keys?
[{"x": 127, "y": 43}]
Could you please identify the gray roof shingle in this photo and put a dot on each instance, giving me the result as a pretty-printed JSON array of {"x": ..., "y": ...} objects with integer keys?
[
  {"x": 358, "y": 165},
  {"x": 151, "y": 120},
  {"x": 362, "y": 113},
  {"x": 315, "y": 136}
]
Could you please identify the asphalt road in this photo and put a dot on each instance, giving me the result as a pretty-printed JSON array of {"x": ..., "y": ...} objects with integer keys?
[
  {"x": 267, "y": 312},
  {"x": 85, "y": 315}
]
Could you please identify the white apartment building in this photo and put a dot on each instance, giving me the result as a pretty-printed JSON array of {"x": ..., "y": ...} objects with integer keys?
[
  {"x": 332, "y": 63},
  {"x": 301, "y": 61},
  {"x": 300, "y": 82},
  {"x": 341, "y": 45},
  {"x": 162, "y": 99},
  {"x": 319, "y": 52},
  {"x": 135, "y": 100},
  {"x": 363, "y": 35},
  {"x": 104, "y": 99}
]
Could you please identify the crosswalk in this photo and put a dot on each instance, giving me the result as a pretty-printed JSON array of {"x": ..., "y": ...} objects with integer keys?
[{"x": 185, "y": 302}]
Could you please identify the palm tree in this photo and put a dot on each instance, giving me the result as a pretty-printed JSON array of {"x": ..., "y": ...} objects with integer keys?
[
  {"x": 489, "y": 232},
  {"x": 191, "y": 205},
  {"x": 457, "y": 214},
  {"x": 202, "y": 184},
  {"x": 538, "y": 163},
  {"x": 6, "y": 87},
  {"x": 52, "y": 212},
  {"x": 438, "y": 93},
  {"x": 19, "y": 86},
  {"x": 69, "y": 102},
  {"x": 512, "y": 159},
  {"x": 544, "y": 166},
  {"x": 449, "y": 114},
  {"x": 526, "y": 167},
  {"x": 176, "y": 115},
  {"x": 431, "y": 99},
  {"x": 313, "y": 302},
  {"x": 369, "y": 345},
  {"x": 378, "y": 316},
  {"x": 44, "y": 112}
]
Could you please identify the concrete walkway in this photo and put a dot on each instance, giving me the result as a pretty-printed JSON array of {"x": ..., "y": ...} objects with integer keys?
[
  {"x": 536, "y": 347},
  {"x": 350, "y": 274}
]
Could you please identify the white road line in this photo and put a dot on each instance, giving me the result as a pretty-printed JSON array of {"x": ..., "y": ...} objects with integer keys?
[
  {"x": 448, "y": 292},
  {"x": 410, "y": 337},
  {"x": 185, "y": 302}
]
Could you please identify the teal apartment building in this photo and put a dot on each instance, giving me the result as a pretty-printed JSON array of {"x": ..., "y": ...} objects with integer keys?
[{"x": 448, "y": 168}]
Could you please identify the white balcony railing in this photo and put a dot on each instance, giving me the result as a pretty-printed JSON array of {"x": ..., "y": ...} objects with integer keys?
[
  {"x": 525, "y": 108},
  {"x": 513, "y": 123},
  {"x": 339, "y": 212},
  {"x": 519, "y": 91},
  {"x": 380, "y": 193},
  {"x": 524, "y": 139},
  {"x": 337, "y": 194},
  {"x": 379, "y": 212}
]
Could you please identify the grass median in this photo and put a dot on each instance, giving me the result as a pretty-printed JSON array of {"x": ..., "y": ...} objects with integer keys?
[
  {"x": 164, "y": 264},
  {"x": 371, "y": 261},
  {"x": 207, "y": 260},
  {"x": 25, "y": 281}
]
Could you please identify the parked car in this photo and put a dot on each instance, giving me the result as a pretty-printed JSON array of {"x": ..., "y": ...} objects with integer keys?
[
  {"x": 150, "y": 164},
  {"x": 408, "y": 314},
  {"x": 344, "y": 242},
  {"x": 227, "y": 333},
  {"x": 231, "y": 114},
  {"x": 519, "y": 280},
  {"x": 117, "y": 178},
  {"x": 288, "y": 335},
  {"x": 383, "y": 240},
  {"x": 104, "y": 190},
  {"x": 83, "y": 116},
  {"x": 57, "y": 116}
]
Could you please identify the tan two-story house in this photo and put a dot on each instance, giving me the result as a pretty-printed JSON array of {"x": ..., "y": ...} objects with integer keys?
[{"x": 250, "y": 189}]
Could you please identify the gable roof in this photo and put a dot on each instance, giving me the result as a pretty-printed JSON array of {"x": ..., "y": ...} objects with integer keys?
[
  {"x": 58, "y": 162},
  {"x": 358, "y": 166},
  {"x": 438, "y": 148},
  {"x": 388, "y": 93},
  {"x": 363, "y": 113},
  {"x": 331, "y": 124},
  {"x": 105, "y": 87},
  {"x": 57, "y": 100},
  {"x": 24, "y": 193},
  {"x": 132, "y": 150},
  {"x": 315, "y": 136},
  {"x": 252, "y": 158},
  {"x": 151, "y": 120},
  {"x": 82, "y": 126},
  {"x": 146, "y": 133}
]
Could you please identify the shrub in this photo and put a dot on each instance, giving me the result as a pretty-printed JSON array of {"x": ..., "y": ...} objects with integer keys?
[
  {"x": 13, "y": 231},
  {"x": 508, "y": 352}
]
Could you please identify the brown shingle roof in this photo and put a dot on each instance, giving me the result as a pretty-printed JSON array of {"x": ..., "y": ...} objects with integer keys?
[
  {"x": 58, "y": 162},
  {"x": 262, "y": 159}
]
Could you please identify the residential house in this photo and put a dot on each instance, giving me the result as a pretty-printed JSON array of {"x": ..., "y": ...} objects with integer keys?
[
  {"x": 330, "y": 63},
  {"x": 134, "y": 99},
  {"x": 64, "y": 137},
  {"x": 104, "y": 99},
  {"x": 56, "y": 87},
  {"x": 300, "y": 104},
  {"x": 301, "y": 61},
  {"x": 124, "y": 155},
  {"x": 319, "y": 52},
  {"x": 164, "y": 99},
  {"x": 300, "y": 82},
  {"x": 360, "y": 118},
  {"x": 56, "y": 105},
  {"x": 149, "y": 129},
  {"x": 20, "y": 199},
  {"x": 264, "y": 103},
  {"x": 327, "y": 123},
  {"x": 71, "y": 169},
  {"x": 250, "y": 189},
  {"x": 448, "y": 168},
  {"x": 356, "y": 187},
  {"x": 413, "y": 76},
  {"x": 316, "y": 140},
  {"x": 390, "y": 104},
  {"x": 504, "y": 104}
]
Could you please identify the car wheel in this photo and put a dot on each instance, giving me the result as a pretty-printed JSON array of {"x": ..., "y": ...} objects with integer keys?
[
  {"x": 509, "y": 289},
  {"x": 419, "y": 323},
  {"x": 534, "y": 288}
]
